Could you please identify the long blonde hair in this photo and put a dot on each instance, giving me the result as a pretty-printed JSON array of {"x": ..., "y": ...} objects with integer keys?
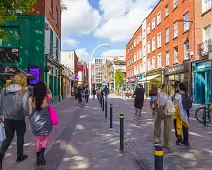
[{"x": 19, "y": 79}]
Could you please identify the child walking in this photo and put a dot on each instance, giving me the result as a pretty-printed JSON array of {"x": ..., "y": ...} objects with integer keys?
[{"x": 40, "y": 121}]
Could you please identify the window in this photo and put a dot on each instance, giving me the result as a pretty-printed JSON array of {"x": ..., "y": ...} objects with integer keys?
[
  {"x": 134, "y": 43},
  {"x": 167, "y": 10},
  {"x": 51, "y": 7},
  {"x": 57, "y": 49},
  {"x": 206, "y": 5},
  {"x": 138, "y": 56},
  {"x": 148, "y": 29},
  {"x": 57, "y": 17},
  {"x": 149, "y": 65},
  {"x": 148, "y": 48},
  {"x": 159, "y": 61},
  {"x": 186, "y": 22},
  {"x": 140, "y": 53},
  {"x": 51, "y": 42},
  {"x": 167, "y": 58},
  {"x": 137, "y": 41},
  {"x": 153, "y": 24},
  {"x": 175, "y": 4},
  {"x": 176, "y": 29},
  {"x": 159, "y": 18},
  {"x": 167, "y": 35},
  {"x": 153, "y": 63},
  {"x": 187, "y": 50},
  {"x": 153, "y": 44},
  {"x": 144, "y": 51},
  {"x": 144, "y": 64},
  {"x": 159, "y": 40},
  {"x": 176, "y": 55},
  {"x": 207, "y": 33},
  {"x": 140, "y": 37},
  {"x": 134, "y": 60},
  {"x": 141, "y": 69}
]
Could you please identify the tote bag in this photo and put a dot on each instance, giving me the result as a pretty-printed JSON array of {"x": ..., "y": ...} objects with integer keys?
[{"x": 53, "y": 114}]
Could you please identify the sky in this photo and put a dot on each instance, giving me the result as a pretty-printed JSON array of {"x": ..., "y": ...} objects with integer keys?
[{"x": 89, "y": 23}]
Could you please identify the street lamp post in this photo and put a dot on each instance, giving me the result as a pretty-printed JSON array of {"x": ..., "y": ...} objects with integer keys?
[{"x": 90, "y": 59}]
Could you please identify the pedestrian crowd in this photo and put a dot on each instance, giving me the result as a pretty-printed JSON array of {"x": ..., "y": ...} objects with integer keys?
[
  {"x": 18, "y": 103},
  {"x": 171, "y": 108}
]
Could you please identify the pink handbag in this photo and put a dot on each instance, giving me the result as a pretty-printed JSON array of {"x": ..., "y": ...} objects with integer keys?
[{"x": 53, "y": 114}]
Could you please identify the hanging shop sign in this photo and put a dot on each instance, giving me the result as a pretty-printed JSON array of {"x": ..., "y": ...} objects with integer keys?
[{"x": 37, "y": 73}]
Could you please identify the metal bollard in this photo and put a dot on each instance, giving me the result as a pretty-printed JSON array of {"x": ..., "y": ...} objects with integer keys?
[
  {"x": 105, "y": 107},
  {"x": 121, "y": 132},
  {"x": 159, "y": 153},
  {"x": 103, "y": 103},
  {"x": 205, "y": 116},
  {"x": 100, "y": 101},
  {"x": 111, "y": 116}
]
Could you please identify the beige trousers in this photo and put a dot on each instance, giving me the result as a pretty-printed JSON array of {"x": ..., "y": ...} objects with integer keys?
[{"x": 167, "y": 127}]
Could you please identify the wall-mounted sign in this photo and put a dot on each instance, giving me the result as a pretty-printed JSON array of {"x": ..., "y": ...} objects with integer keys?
[
  {"x": 9, "y": 55},
  {"x": 37, "y": 73},
  {"x": 80, "y": 68},
  {"x": 177, "y": 69}
]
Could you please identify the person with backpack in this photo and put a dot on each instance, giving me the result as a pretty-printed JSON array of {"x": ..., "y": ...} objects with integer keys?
[
  {"x": 183, "y": 103},
  {"x": 163, "y": 114},
  {"x": 14, "y": 108},
  {"x": 86, "y": 93}
]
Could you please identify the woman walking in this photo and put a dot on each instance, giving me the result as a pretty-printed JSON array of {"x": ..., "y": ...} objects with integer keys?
[
  {"x": 153, "y": 102},
  {"x": 40, "y": 121},
  {"x": 14, "y": 108},
  {"x": 139, "y": 99},
  {"x": 181, "y": 117},
  {"x": 163, "y": 96}
]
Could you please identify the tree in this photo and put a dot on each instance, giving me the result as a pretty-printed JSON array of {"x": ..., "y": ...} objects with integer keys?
[
  {"x": 119, "y": 78},
  {"x": 8, "y": 10}
]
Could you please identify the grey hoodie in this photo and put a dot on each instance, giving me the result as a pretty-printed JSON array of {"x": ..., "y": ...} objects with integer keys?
[{"x": 13, "y": 105}]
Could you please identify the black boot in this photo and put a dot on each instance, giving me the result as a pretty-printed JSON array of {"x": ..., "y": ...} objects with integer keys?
[
  {"x": 42, "y": 158},
  {"x": 38, "y": 162},
  {"x": 1, "y": 159}
]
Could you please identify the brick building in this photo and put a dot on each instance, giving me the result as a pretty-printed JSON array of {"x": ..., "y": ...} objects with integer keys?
[
  {"x": 169, "y": 43},
  {"x": 134, "y": 59},
  {"x": 202, "y": 68}
]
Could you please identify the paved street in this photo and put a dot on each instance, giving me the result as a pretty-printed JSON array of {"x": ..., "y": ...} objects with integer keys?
[{"x": 83, "y": 141}]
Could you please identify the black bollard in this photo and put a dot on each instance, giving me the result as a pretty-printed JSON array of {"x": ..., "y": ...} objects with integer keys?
[
  {"x": 205, "y": 116},
  {"x": 105, "y": 107},
  {"x": 100, "y": 101},
  {"x": 159, "y": 153},
  {"x": 111, "y": 116},
  {"x": 121, "y": 132},
  {"x": 103, "y": 103}
]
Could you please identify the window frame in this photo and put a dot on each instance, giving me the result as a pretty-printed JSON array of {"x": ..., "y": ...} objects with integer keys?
[
  {"x": 167, "y": 10},
  {"x": 159, "y": 18},
  {"x": 159, "y": 60},
  {"x": 159, "y": 40},
  {"x": 153, "y": 44},
  {"x": 167, "y": 58},
  {"x": 176, "y": 59},
  {"x": 186, "y": 22},
  {"x": 148, "y": 29},
  {"x": 186, "y": 52},
  {"x": 148, "y": 48},
  {"x": 175, "y": 4},
  {"x": 153, "y": 24},
  {"x": 176, "y": 29},
  {"x": 167, "y": 35}
]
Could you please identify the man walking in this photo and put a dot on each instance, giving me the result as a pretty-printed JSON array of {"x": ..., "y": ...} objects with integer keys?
[{"x": 87, "y": 93}]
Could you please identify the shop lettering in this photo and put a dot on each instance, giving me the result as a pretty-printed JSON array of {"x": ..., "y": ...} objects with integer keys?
[{"x": 175, "y": 69}]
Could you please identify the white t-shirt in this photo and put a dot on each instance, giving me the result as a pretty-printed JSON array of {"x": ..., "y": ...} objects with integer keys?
[{"x": 179, "y": 98}]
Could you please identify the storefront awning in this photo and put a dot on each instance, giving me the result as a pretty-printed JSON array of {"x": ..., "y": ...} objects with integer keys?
[{"x": 148, "y": 78}]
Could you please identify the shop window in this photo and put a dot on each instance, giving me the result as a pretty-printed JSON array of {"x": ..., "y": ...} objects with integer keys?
[
  {"x": 159, "y": 39},
  {"x": 176, "y": 55},
  {"x": 206, "y": 5},
  {"x": 153, "y": 24},
  {"x": 167, "y": 58},
  {"x": 186, "y": 22},
  {"x": 176, "y": 29},
  {"x": 187, "y": 50},
  {"x": 148, "y": 48},
  {"x": 159, "y": 18},
  {"x": 153, "y": 44},
  {"x": 167, "y": 10},
  {"x": 159, "y": 61},
  {"x": 167, "y": 35},
  {"x": 148, "y": 28}
]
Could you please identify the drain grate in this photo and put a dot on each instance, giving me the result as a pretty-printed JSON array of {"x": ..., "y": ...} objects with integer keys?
[{"x": 142, "y": 164}]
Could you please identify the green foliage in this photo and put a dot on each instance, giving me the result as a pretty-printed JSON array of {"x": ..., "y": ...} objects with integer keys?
[
  {"x": 119, "y": 78},
  {"x": 8, "y": 9}
]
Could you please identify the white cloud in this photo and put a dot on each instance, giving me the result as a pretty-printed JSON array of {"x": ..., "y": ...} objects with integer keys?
[
  {"x": 79, "y": 18},
  {"x": 82, "y": 54},
  {"x": 113, "y": 53},
  {"x": 119, "y": 25},
  {"x": 70, "y": 42}
]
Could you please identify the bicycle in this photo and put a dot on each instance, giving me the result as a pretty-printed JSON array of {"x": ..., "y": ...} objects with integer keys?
[{"x": 200, "y": 116}]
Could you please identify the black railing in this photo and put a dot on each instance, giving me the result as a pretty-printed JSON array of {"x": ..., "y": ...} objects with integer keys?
[{"x": 205, "y": 48}]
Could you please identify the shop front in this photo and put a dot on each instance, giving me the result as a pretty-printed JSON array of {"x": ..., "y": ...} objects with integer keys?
[
  {"x": 179, "y": 74},
  {"x": 131, "y": 83},
  {"x": 202, "y": 81}
]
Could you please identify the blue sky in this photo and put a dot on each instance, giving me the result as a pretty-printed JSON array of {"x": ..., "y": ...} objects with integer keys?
[{"x": 88, "y": 23}]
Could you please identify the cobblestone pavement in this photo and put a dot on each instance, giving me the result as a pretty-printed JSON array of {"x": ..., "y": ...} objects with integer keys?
[{"x": 139, "y": 140}]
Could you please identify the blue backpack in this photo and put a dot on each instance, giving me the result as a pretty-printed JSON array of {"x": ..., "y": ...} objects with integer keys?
[{"x": 186, "y": 101}]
